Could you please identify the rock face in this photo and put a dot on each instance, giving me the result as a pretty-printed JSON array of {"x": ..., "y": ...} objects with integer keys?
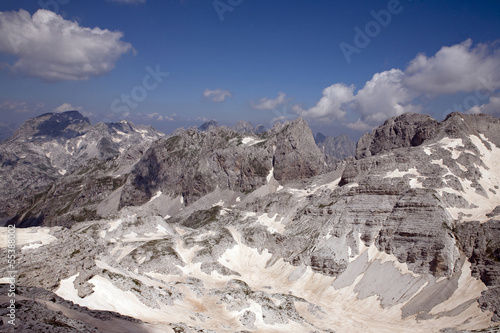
[
  {"x": 221, "y": 231},
  {"x": 222, "y": 158},
  {"x": 339, "y": 147},
  {"x": 60, "y": 126},
  {"x": 57, "y": 162},
  {"x": 206, "y": 126},
  {"x": 481, "y": 244},
  {"x": 412, "y": 129},
  {"x": 33, "y": 314},
  {"x": 296, "y": 155},
  {"x": 243, "y": 127}
]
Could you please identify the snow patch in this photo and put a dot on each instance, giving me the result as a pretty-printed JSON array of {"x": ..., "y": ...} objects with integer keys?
[
  {"x": 273, "y": 225},
  {"x": 270, "y": 175},
  {"x": 220, "y": 203},
  {"x": 249, "y": 141},
  {"x": 34, "y": 237},
  {"x": 161, "y": 229},
  {"x": 452, "y": 145},
  {"x": 113, "y": 225},
  {"x": 156, "y": 196}
]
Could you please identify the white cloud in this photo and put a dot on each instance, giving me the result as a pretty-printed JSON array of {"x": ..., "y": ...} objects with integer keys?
[
  {"x": 384, "y": 96},
  {"x": 67, "y": 107},
  {"x": 270, "y": 104},
  {"x": 12, "y": 105},
  {"x": 54, "y": 49},
  {"x": 21, "y": 106},
  {"x": 453, "y": 69},
  {"x": 158, "y": 117},
  {"x": 492, "y": 107},
  {"x": 202, "y": 119},
  {"x": 332, "y": 105},
  {"x": 217, "y": 95}
]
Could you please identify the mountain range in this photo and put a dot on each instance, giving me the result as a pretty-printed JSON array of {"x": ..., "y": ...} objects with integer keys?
[{"x": 217, "y": 229}]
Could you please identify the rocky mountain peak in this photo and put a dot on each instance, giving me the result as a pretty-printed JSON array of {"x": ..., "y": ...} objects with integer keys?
[
  {"x": 65, "y": 125},
  {"x": 263, "y": 228},
  {"x": 338, "y": 147},
  {"x": 244, "y": 127},
  {"x": 296, "y": 156},
  {"x": 208, "y": 125},
  {"x": 406, "y": 130},
  {"x": 320, "y": 137},
  {"x": 413, "y": 129}
]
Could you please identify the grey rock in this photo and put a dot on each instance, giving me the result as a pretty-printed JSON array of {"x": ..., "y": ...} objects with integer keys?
[
  {"x": 219, "y": 159},
  {"x": 339, "y": 147},
  {"x": 208, "y": 125},
  {"x": 56, "y": 164},
  {"x": 243, "y": 127}
]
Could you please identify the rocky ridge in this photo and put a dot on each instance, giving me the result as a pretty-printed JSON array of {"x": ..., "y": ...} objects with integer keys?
[
  {"x": 59, "y": 161},
  {"x": 404, "y": 237}
]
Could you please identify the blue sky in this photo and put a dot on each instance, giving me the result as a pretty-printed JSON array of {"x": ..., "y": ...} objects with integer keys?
[{"x": 343, "y": 66}]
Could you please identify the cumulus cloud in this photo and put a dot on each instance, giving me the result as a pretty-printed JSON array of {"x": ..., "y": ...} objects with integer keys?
[
  {"x": 454, "y": 69},
  {"x": 332, "y": 105},
  {"x": 21, "y": 106},
  {"x": 270, "y": 104},
  {"x": 457, "y": 68},
  {"x": 492, "y": 107},
  {"x": 384, "y": 96},
  {"x": 159, "y": 117},
  {"x": 54, "y": 49},
  {"x": 67, "y": 107},
  {"x": 217, "y": 95}
]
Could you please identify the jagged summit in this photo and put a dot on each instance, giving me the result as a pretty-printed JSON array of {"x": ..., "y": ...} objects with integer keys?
[
  {"x": 65, "y": 125},
  {"x": 193, "y": 164},
  {"x": 244, "y": 127},
  {"x": 208, "y": 125},
  {"x": 339, "y": 147},
  {"x": 262, "y": 232},
  {"x": 413, "y": 129}
]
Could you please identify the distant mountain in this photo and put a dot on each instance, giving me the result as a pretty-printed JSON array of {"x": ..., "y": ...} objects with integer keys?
[
  {"x": 224, "y": 159},
  {"x": 338, "y": 147},
  {"x": 215, "y": 230},
  {"x": 60, "y": 126},
  {"x": 63, "y": 154},
  {"x": 208, "y": 125},
  {"x": 247, "y": 127},
  {"x": 243, "y": 127}
]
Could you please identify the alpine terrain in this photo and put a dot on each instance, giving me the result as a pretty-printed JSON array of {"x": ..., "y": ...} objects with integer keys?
[{"x": 120, "y": 228}]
